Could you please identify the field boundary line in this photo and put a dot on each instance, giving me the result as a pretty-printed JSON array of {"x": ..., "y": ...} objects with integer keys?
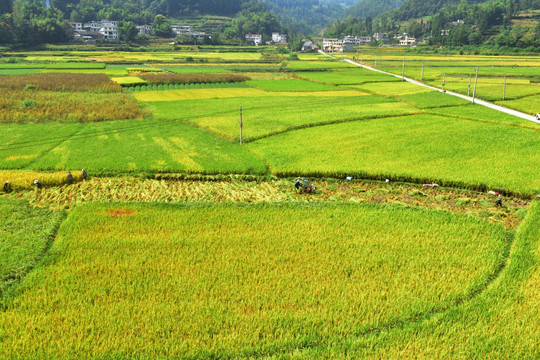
[
  {"x": 7, "y": 294},
  {"x": 331, "y": 122},
  {"x": 57, "y": 144},
  {"x": 469, "y": 98}
]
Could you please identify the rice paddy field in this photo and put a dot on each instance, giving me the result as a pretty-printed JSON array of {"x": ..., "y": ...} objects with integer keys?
[
  {"x": 509, "y": 81},
  {"x": 184, "y": 243}
]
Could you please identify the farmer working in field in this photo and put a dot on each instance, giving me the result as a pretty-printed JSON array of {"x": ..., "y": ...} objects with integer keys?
[
  {"x": 499, "y": 200},
  {"x": 7, "y": 187},
  {"x": 38, "y": 184},
  {"x": 84, "y": 174},
  {"x": 298, "y": 184},
  {"x": 69, "y": 178}
]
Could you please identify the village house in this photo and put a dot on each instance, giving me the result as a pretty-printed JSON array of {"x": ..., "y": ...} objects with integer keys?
[
  {"x": 181, "y": 29},
  {"x": 256, "y": 39},
  {"x": 109, "y": 29},
  {"x": 381, "y": 37},
  {"x": 279, "y": 38},
  {"x": 145, "y": 29},
  {"x": 407, "y": 41}
]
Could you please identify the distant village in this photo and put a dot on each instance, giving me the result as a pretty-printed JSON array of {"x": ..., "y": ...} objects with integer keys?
[{"x": 107, "y": 30}]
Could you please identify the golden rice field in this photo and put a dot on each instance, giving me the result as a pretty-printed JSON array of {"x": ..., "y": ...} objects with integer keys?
[{"x": 186, "y": 281}]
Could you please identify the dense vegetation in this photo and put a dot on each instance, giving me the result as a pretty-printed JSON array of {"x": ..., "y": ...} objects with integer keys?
[
  {"x": 31, "y": 22},
  {"x": 481, "y": 22}
]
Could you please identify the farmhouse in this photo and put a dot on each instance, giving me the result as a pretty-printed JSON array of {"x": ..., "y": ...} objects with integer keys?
[
  {"x": 343, "y": 45},
  {"x": 256, "y": 39},
  {"x": 92, "y": 31},
  {"x": 181, "y": 29},
  {"x": 279, "y": 38},
  {"x": 145, "y": 29}
]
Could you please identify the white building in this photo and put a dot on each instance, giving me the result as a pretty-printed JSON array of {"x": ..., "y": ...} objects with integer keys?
[
  {"x": 76, "y": 26},
  {"x": 256, "y": 39},
  {"x": 381, "y": 36},
  {"x": 181, "y": 29},
  {"x": 407, "y": 41},
  {"x": 346, "y": 44},
  {"x": 109, "y": 29},
  {"x": 279, "y": 38},
  {"x": 93, "y": 26},
  {"x": 145, "y": 29}
]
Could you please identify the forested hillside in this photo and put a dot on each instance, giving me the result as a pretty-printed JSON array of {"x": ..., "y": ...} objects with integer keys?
[
  {"x": 509, "y": 23},
  {"x": 372, "y": 8},
  {"x": 37, "y": 21},
  {"x": 306, "y": 16}
]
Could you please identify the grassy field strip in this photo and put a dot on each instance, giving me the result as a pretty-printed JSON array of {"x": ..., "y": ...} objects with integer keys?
[
  {"x": 477, "y": 101},
  {"x": 199, "y": 94},
  {"x": 425, "y": 148},
  {"x": 244, "y": 287},
  {"x": 26, "y": 233}
]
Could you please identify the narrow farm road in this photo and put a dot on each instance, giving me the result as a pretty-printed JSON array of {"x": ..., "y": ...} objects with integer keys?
[
  {"x": 469, "y": 98},
  {"x": 476, "y": 100}
]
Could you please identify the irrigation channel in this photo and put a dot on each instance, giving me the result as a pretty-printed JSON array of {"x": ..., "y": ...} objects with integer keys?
[{"x": 469, "y": 98}]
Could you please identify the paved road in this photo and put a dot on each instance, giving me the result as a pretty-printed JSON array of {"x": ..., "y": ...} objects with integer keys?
[{"x": 476, "y": 100}]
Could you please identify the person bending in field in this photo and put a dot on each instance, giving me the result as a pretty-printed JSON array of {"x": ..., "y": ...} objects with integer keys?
[
  {"x": 84, "y": 174},
  {"x": 70, "y": 178},
  {"x": 298, "y": 184},
  {"x": 7, "y": 187},
  {"x": 38, "y": 184}
]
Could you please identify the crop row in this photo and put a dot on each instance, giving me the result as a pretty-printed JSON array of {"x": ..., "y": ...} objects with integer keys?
[
  {"x": 154, "y": 87},
  {"x": 192, "y": 78},
  {"x": 21, "y": 106},
  {"x": 60, "y": 82}
]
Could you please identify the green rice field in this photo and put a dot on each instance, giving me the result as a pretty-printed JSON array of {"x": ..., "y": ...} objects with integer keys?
[{"x": 187, "y": 238}]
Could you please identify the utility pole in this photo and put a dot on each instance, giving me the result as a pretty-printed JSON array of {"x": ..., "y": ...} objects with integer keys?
[
  {"x": 422, "y": 74},
  {"x": 504, "y": 88},
  {"x": 474, "y": 90},
  {"x": 362, "y": 59},
  {"x": 241, "y": 125},
  {"x": 469, "y": 86},
  {"x": 403, "y": 71}
]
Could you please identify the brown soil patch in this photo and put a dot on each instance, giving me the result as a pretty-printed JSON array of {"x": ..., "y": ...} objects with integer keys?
[{"x": 120, "y": 212}]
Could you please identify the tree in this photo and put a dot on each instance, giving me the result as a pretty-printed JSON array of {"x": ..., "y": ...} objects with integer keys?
[
  {"x": 127, "y": 31},
  {"x": 162, "y": 27}
]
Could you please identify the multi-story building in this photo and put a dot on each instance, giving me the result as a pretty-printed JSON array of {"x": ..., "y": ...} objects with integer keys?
[
  {"x": 182, "y": 29},
  {"x": 109, "y": 29},
  {"x": 256, "y": 39}
]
